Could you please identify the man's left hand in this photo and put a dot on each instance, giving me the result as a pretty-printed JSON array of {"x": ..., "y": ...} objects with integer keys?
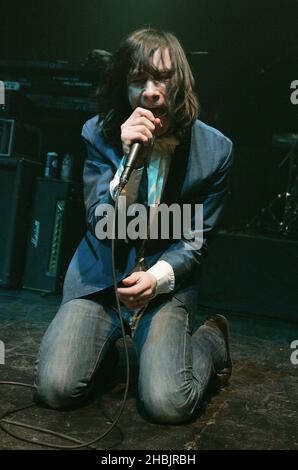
[{"x": 138, "y": 289}]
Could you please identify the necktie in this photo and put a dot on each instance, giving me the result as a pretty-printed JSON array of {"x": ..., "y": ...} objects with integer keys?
[{"x": 142, "y": 199}]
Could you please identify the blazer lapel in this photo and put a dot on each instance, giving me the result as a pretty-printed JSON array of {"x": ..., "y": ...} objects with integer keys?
[{"x": 177, "y": 172}]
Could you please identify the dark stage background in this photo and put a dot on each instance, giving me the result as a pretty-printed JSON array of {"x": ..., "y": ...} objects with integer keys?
[
  {"x": 244, "y": 55},
  {"x": 243, "y": 82}
]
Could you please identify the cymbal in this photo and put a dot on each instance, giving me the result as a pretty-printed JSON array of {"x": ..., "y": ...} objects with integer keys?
[{"x": 285, "y": 138}]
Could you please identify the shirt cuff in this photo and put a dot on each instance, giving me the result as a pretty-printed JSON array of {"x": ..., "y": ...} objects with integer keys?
[
  {"x": 132, "y": 186},
  {"x": 164, "y": 275}
]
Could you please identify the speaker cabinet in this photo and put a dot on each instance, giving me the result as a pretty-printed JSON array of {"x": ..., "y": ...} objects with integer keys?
[
  {"x": 17, "y": 179},
  {"x": 57, "y": 226}
]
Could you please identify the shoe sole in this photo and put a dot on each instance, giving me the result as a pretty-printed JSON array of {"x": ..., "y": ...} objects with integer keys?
[{"x": 224, "y": 374}]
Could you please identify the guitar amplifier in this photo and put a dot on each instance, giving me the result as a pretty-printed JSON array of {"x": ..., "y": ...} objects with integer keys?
[
  {"x": 57, "y": 226},
  {"x": 17, "y": 179}
]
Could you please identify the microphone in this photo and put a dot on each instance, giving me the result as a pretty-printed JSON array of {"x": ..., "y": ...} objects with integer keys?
[{"x": 129, "y": 165}]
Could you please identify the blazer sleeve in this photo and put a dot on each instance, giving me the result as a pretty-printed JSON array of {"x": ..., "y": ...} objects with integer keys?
[
  {"x": 97, "y": 174},
  {"x": 181, "y": 255}
]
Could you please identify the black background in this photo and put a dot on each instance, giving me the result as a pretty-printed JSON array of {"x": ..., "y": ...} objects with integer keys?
[{"x": 243, "y": 82}]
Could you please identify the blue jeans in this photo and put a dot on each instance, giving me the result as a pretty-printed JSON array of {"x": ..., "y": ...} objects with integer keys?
[{"x": 174, "y": 365}]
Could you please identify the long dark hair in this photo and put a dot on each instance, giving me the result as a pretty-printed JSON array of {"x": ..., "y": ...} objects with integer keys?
[{"x": 135, "y": 53}]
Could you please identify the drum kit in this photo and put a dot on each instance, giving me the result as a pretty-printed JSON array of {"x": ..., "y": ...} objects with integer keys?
[{"x": 280, "y": 216}]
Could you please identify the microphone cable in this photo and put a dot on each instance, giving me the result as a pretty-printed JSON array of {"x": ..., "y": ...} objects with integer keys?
[{"x": 80, "y": 444}]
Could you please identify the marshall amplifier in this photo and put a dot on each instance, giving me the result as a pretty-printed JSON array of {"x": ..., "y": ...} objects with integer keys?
[
  {"x": 57, "y": 226},
  {"x": 17, "y": 179}
]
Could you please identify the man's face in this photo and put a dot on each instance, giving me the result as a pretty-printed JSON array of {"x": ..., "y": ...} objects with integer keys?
[{"x": 151, "y": 92}]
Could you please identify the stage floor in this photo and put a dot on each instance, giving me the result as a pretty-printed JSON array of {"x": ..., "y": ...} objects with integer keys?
[{"x": 258, "y": 410}]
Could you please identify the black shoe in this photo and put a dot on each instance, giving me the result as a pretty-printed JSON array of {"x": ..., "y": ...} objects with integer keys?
[
  {"x": 221, "y": 325},
  {"x": 113, "y": 358}
]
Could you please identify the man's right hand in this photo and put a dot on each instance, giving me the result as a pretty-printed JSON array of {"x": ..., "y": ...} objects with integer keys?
[{"x": 139, "y": 127}]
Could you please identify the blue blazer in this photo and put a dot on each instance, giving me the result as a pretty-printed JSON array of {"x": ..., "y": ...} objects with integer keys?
[{"x": 199, "y": 173}]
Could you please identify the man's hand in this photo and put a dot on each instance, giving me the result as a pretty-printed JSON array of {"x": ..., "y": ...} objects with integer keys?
[
  {"x": 138, "y": 289},
  {"x": 139, "y": 127}
]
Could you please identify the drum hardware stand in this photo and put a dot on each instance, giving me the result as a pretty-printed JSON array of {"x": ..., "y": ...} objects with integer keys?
[{"x": 281, "y": 214}]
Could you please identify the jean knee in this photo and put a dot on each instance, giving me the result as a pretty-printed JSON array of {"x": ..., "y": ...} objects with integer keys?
[
  {"x": 167, "y": 406},
  {"x": 56, "y": 391}
]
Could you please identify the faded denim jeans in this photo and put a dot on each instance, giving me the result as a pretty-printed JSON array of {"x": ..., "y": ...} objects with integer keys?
[{"x": 175, "y": 366}]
